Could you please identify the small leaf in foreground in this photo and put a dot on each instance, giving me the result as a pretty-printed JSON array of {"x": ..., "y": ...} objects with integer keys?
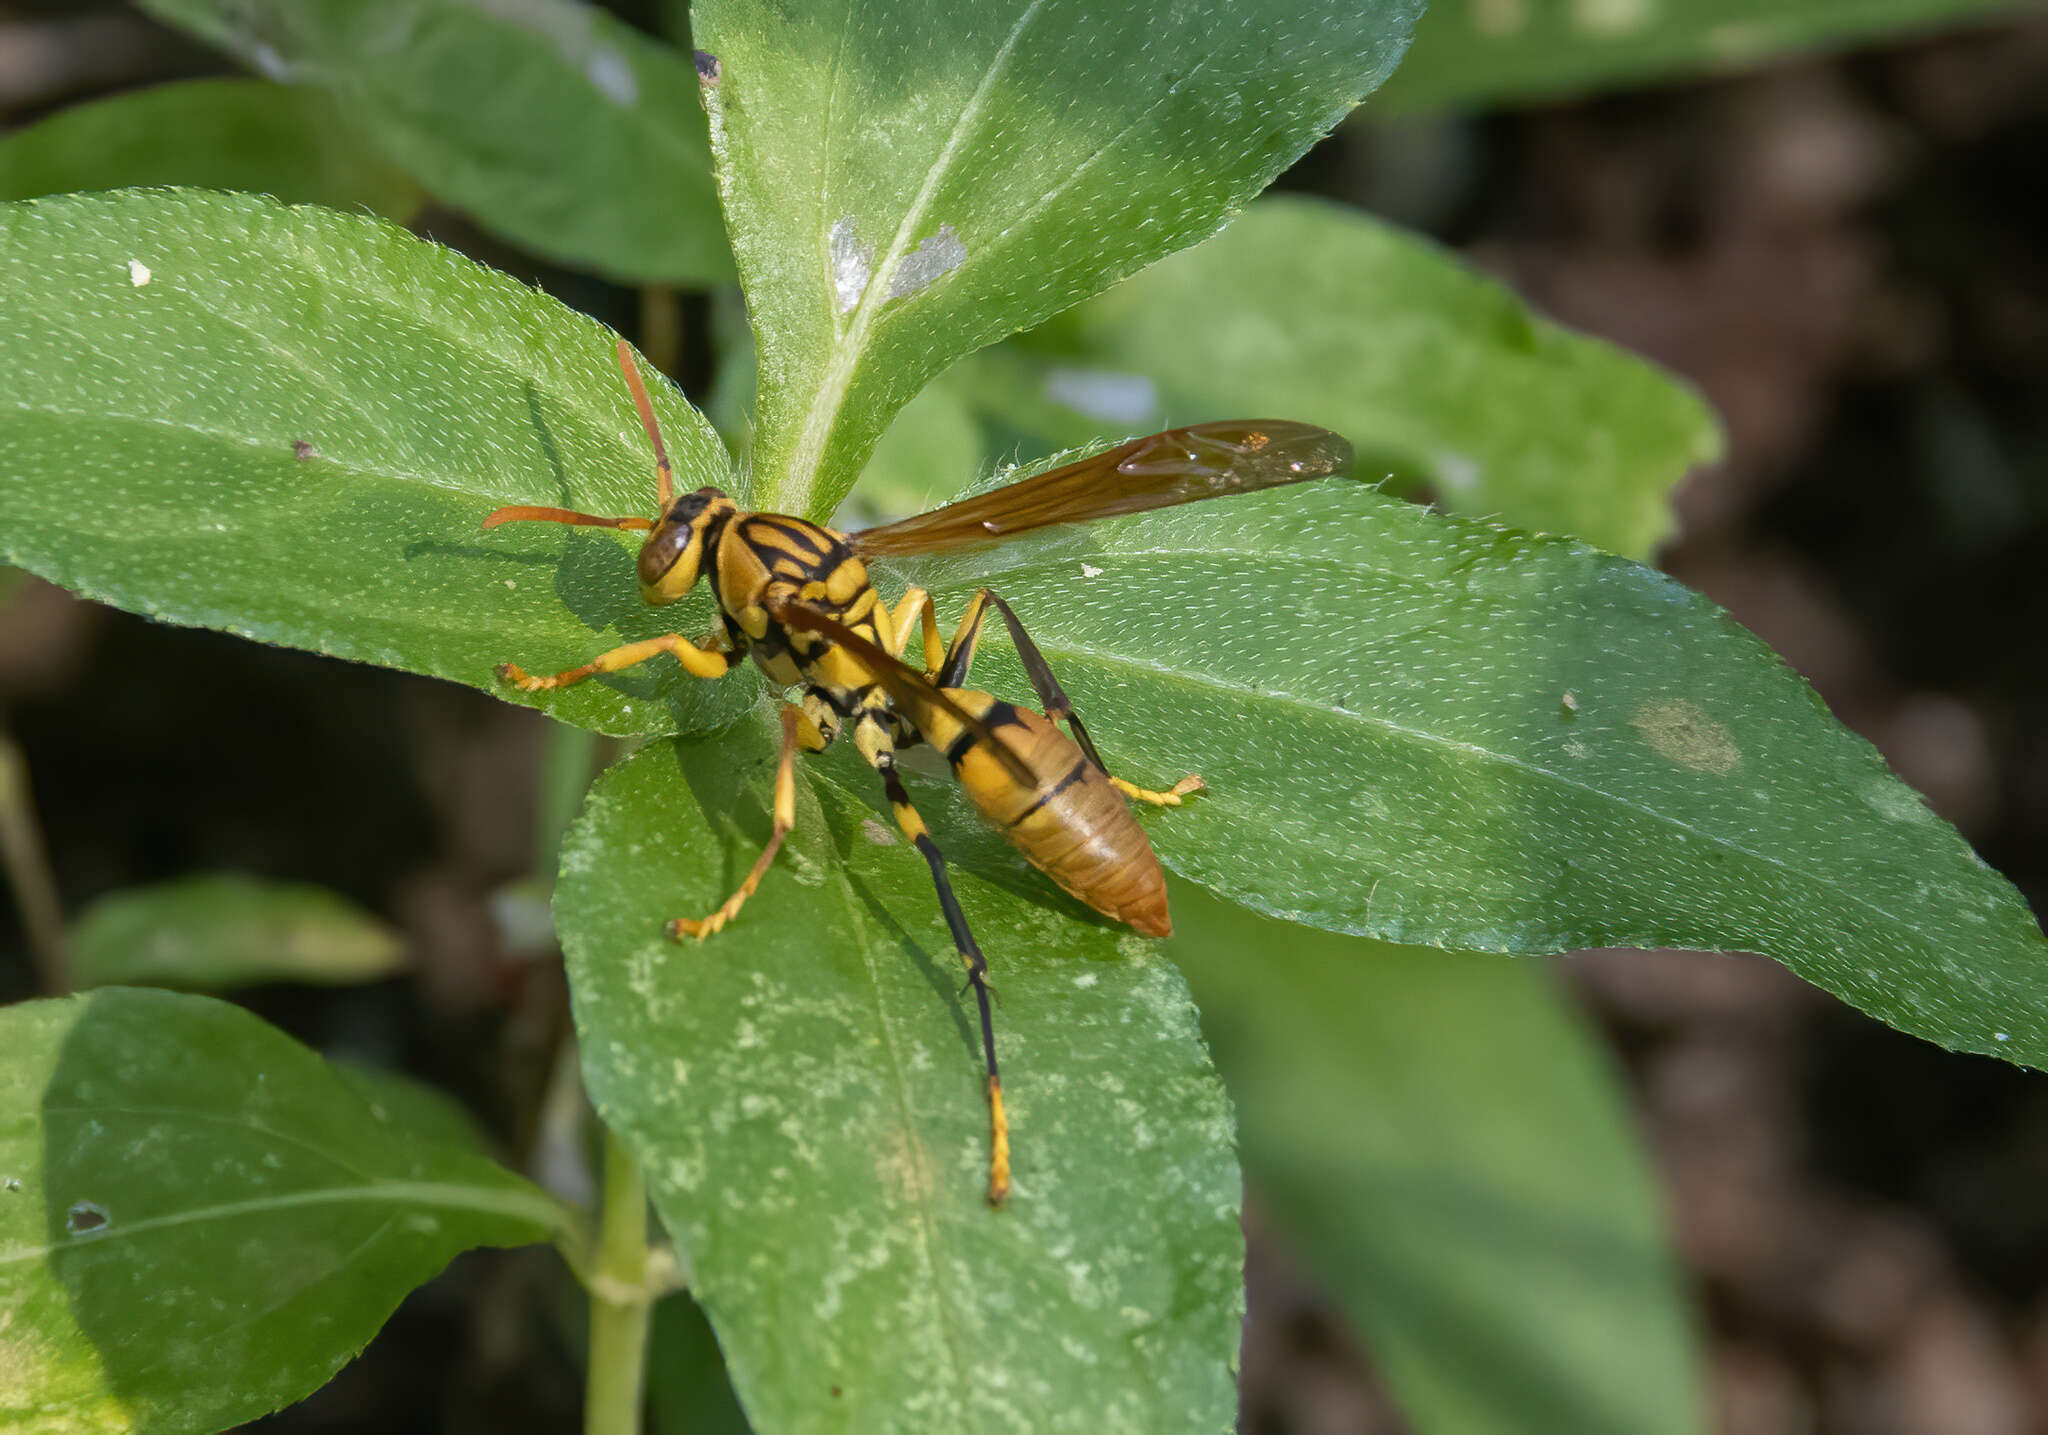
[
  {"x": 224, "y": 930},
  {"x": 804, "y": 1092},
  {"x": 201, "y": 1221},
  {"x": 905, "y": 183},
  {"x": 554, "y": 123},
  {"x": 291, "y": 144},
  {"x": 1446, "y": 1148}
]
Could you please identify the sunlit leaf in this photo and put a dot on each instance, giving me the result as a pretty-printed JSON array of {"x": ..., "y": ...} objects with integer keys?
[
  {"x": 290, "y": 423},
  {"x": 1434, "y": 731},
  {"x": 905, "y": 183},
  {"x": 804, "y": 1091},
  {"x": 201, "y": 1221}
]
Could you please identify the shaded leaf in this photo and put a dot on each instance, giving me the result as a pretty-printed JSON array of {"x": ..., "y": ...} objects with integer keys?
[
  {"x": 1494, "y": 51},
  {"x": 1441, "y": 378},
  {"x": 200, "y": 1221},
  {"x": 906, "y": 183},
  {"x": 804, "y": 1092},
  {"x": 290, "y": 423},
  {"x": 553, "y": 123},
  {"x": 1433, "y": 731},
  {"x": 212, "y": 134},
  {"x": 1446, "y": 1147},
  {"x": 226, "y": 930}
]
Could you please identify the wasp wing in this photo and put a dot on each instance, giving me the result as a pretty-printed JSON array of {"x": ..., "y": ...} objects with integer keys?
[
  {"x": 905, "y": 684},
  {"x": 1181, "y": 465}
]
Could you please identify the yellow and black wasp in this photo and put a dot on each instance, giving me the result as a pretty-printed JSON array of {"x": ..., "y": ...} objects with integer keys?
[{"x": 796, "y": 597}]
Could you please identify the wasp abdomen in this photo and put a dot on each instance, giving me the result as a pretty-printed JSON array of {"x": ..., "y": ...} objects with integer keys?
[{"x": 1072, "y": 825}]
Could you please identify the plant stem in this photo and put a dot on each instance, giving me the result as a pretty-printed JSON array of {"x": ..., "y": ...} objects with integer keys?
[
  {"x": 661, "y": 327},
  {"x": 620, "y": 1298},
  {"x": 565, "y": 766},
  {"x": 28, "y": 870}
]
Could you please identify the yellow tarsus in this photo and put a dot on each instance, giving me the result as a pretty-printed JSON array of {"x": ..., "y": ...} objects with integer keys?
[
  {"x": 999, "y": 1145},
  {"x": 1169, "y": 798}
]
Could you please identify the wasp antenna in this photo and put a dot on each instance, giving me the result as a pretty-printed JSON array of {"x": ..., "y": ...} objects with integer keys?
[
  {"x": 522, "y": 513},
  {"x": 664, "y": 479}
]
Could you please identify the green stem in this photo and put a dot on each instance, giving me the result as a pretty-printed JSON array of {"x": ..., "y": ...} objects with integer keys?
[
  {"x": 565, "y": 766},
  {"x": 28, "y": 871},
  {"x": 621, "y": 1295}
]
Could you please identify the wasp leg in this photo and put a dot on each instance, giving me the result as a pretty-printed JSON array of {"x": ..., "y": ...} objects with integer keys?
[
  {"x": 797, "y": 730},
  {"x": 977, "y": 977},
  {"x": 918, "y": 604},
  {"x": 698, "y": 662},
  {"x": 1058, "y": 706}
]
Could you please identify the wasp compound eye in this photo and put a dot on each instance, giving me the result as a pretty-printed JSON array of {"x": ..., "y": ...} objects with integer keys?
[{"x": 664, "y": 549}]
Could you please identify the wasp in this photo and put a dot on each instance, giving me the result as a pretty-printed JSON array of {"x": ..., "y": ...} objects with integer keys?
[{"x": 795, "y": 596}]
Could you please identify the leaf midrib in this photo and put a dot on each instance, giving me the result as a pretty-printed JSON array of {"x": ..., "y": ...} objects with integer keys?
[{"x": 438, "y": 1194}]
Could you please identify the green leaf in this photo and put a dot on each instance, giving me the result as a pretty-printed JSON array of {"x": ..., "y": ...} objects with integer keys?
[
  {"x": 289, "y": 423},
  {"x": 200, "y": 1221},
  {"x": 906, "y": 183},
  {"x": 1472, "y": 52},
  {"x": 213, "y": 134},
  {"x": 804, "y": 1091},
  {"x": 414, "y": 1109},
  {"x": 1442, "y": 379},
  {"x": 687, "y": 1389},
  {"x": 225, "y": 930},
  {"x": 1448, "y": 1150},
  {"x": 1433, "y": 731},
  {"x": 553, "y": 123}
]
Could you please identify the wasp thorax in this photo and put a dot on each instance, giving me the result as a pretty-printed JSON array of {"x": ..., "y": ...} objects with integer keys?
[{"x": 674, "y": 551}]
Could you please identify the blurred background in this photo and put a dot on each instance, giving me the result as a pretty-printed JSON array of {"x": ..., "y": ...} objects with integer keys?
[{"x": 1847, "y": 251}]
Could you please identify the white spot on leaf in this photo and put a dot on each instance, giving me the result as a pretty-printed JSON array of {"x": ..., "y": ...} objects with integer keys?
[
  {"x": 613, "y": 76},
  {"x": 138, "y": 273},
  {"x": 931, "y": 261},
  {"x": 853, "y": 264},
  {"x": 1089, "y": 570}
]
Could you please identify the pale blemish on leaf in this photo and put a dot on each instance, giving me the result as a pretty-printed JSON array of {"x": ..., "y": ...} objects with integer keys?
[
  {"x": 138, "y": 273},
  {"x": 1497, "y": 18},
  {"x": 853, "y": 264},
  {"x": 877, "y": 833},
  {"x": 613, "y": 76},
  {"x": 1678, "y": 730},
  {"x": 925, "y": 265},
  {"x": 1612, "y": 17},
  {"x": 902, "y": 1165},
  {"x": 1104, "y": 394},
  {"x": 1089, "y": 570},
  {"x": 1892, "y": 798}
]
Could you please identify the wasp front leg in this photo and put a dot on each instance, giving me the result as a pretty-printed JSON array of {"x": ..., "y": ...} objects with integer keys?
[
  {"x": 797, "y": 731},
  {"x": 708, "y": 661},
  {"x": 1058, "y": 706}
]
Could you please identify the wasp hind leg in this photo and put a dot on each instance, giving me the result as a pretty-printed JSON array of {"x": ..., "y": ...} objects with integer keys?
[
  {"x": 1058, "y": 706},
  {"x": 920, "y": 836},
  {"x": 797, "y": 731}
]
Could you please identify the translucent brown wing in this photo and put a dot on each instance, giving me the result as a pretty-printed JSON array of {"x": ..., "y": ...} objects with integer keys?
[
  {"x": 1179, "y": 466},
  {"x": 906, "y": 684}
]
